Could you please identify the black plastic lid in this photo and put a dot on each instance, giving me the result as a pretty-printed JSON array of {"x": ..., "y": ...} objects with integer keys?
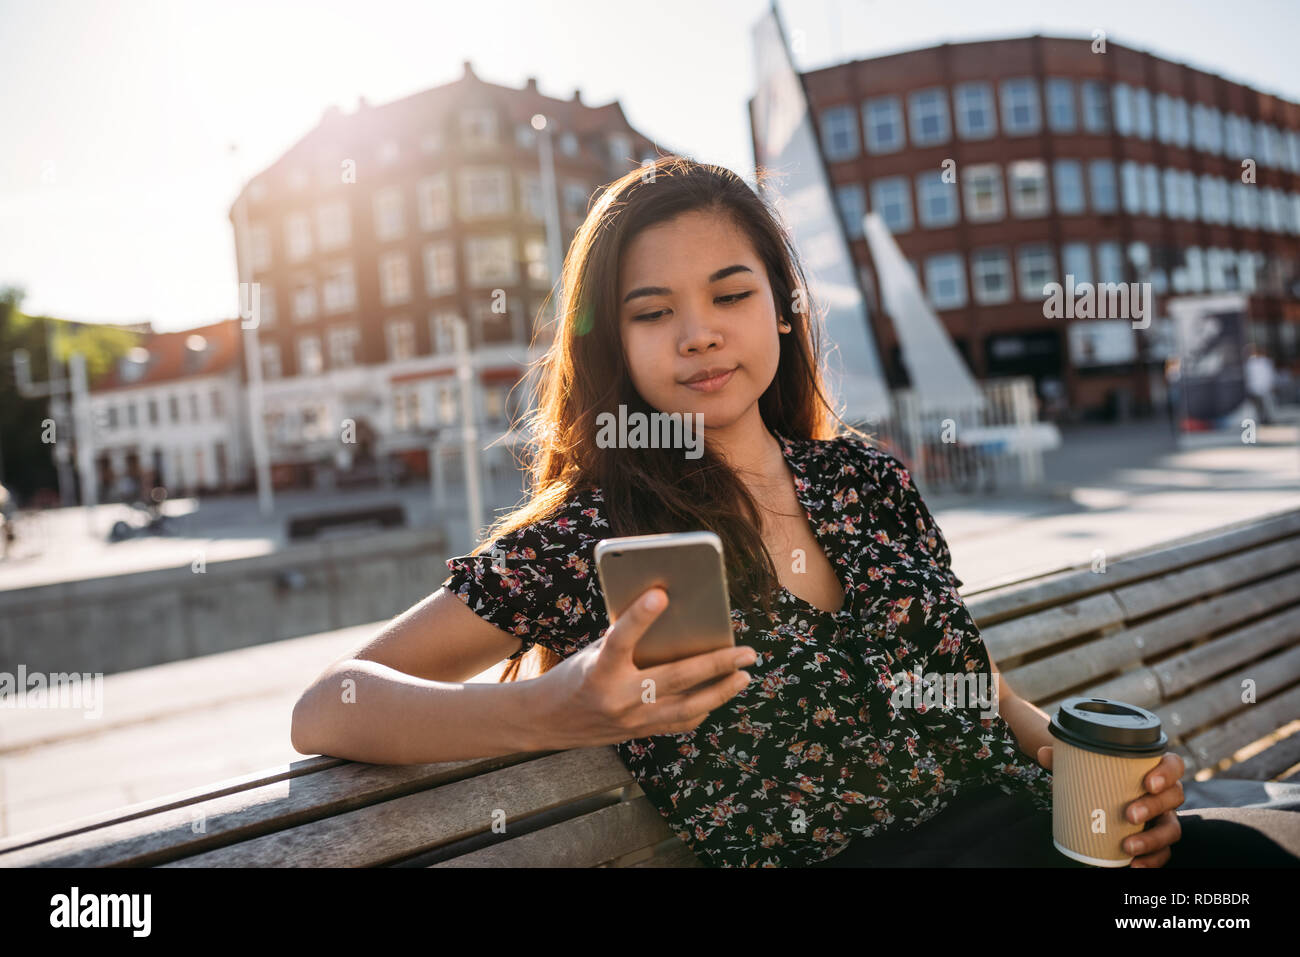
[{"x": 1109, "y": 727}]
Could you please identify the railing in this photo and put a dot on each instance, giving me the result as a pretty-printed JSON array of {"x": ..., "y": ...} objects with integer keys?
[{"x": 970, "y": 448}]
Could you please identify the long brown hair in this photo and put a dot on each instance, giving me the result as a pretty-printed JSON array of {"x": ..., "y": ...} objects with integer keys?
[{"x": 584, "y": 373}]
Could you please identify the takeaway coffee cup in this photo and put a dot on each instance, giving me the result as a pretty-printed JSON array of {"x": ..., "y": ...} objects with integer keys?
[{"x": 1103, "y": 750}]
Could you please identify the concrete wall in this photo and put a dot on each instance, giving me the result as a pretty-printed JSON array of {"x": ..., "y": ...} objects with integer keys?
[{"x": 133, "y": 621}]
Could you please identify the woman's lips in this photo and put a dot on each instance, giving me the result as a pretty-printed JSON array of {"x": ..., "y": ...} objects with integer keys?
[{"x": 711, "y": 385}]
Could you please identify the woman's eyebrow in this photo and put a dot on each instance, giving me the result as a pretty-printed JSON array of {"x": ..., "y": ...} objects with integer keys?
[{"x": 664, "y": 290}]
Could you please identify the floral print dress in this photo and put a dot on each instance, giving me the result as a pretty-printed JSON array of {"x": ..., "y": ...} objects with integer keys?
[{"x": 813, "y": 753}]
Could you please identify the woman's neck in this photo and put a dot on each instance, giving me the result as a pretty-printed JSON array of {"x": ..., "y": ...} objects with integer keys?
[{"x": 754, "y": 454}]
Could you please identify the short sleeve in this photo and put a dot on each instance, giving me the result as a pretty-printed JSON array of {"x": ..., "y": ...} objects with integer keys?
[
  {"x": 536, "y": 583},
  {"x": 894, "y": 481}
]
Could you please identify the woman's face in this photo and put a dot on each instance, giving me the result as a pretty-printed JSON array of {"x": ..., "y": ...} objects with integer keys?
[{"x": 693, "y": 298}]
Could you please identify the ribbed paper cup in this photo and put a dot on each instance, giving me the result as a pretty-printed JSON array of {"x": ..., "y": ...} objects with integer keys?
[{"x": 1103, "y": 750}]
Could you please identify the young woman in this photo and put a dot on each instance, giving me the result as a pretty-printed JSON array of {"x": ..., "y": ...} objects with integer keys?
[{"x": 682, "y": 294}]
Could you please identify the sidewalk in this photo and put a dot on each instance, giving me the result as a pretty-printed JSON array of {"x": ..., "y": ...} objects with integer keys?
[{"x": 188, "y": 723}]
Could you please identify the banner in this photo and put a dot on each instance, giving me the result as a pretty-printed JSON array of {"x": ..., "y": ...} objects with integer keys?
[{"x": 785, "y": 140}]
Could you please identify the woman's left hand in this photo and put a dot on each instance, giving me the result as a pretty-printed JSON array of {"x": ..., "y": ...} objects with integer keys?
[{"x": 1164, "y": 793}]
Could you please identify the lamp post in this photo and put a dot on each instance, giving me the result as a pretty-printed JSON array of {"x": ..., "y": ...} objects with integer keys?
[
  {"x": 252, "y": 349},
  {"x": 469, "y": 428}
]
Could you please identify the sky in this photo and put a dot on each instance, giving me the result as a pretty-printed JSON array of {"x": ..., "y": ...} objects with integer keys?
[{"x": 118, "y": 116}]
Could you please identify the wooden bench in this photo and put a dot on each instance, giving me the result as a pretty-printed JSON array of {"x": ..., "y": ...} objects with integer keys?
[
  {"x": 307, "y": 525},
  {"x": 1176, "y": 628}
]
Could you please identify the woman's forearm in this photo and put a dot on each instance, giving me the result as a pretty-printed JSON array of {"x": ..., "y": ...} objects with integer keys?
[
  {"x": 1028, "y": 723},
  {"x": 365, "y": 711}
]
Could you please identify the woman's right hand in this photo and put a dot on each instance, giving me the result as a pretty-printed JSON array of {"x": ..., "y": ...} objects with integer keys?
[{"x": 599, "y": 696}]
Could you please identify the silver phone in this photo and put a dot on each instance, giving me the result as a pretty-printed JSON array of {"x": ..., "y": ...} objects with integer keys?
[{"x": 690, "y": 568}]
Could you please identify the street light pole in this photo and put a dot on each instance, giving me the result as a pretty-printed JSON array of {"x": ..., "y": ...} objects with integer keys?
[
  {"x": 469, "y": 429},
  {"x": 252, "y": 352}
]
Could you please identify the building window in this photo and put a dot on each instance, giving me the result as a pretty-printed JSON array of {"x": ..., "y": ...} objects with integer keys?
[
  {"x": 1037, "y": 268},
  {"x": 839, "y": 133},
  {"x": 442, "y": 329},
  {"x": 388, "y": 214},
  {"x": 433, "y": 202},
  {"x": 1067, "y": 176},
  {"x": 569, "y": 145},
  {"x": 1110, "y": 263},
  {"x": 945, "y": 283},
  {"x": 478, "y": 128},
  {"x": 1101, "y": 184},
  {"x": 936, "y": 201},
  {"x": 1142, "y": 124},
  {"x": 490, "y": 261},
  {"x": 892, "y": 202},
  {"x": 439, "y": 268},
  {"x": 535, "y": 263},
  {"x": 1173, "y": 189},
  {"x": 218, "y": 405},
  {"x": 928, "y": 111},
  {"x": 490, "y": 325},
  {"x": 339, "y": 289},
  {"x": 1060, "y": 105},
  {"x": 1122, "y": 103},
  {"x": 152, "y": 407},
  {"x": 431, "y": 141},
  {"x": 304, "y": 300},
  {"x": 133, "y": 414},
  {"x": 270, "y": 361},
  {"x": 1095, "y": 106},
  {"x": 883, "y": 123},
  {"x": 1182, "y": 123},
  {"x": 194, "y": 407},
  {"x": 1076, "y": 260},
  {"x": 1207, "y": 122},
  {"x": 1164, "y": 117},
  {"x": 401, "y": 339},
  {"x": 448, "y": 404},
  {"x": 406, "y": 408},
  {"x": 297, "y": 235},
  {"x": 982, "y": 186},
  {"x": 494, "y": 404},
  {"x": 484, "y": 192},
  {"x": 530, "y": 195},
  {"x": 309, "y": 355},
  {"x": 990, "y": 276},
  {"x": 1151, "y": 189},
  {"x": 1028, "y": 186},
  {"x": 343, "y": 346},
  {"x": 394, "y": 277},
  {"x": 975, "y": 111},
  {"x": 333, "y": 225},
  {"x": 174, "y": 408},
  {"x": 1020, "y": 115},
  {"x": 1131, "y": 182},
  {"x": 853, "y": 206},
  {"x": 259, "y": 238},
  {"x": 575, "y": 200}
]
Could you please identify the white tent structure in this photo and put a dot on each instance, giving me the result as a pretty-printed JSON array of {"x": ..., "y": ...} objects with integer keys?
[{"x": 936, "y": 369}]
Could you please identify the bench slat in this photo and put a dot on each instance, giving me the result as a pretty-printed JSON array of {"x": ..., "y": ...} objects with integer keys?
[
  {"x": 154, "y": 838},
  {"x": 586, "y": 841},
  {"x": 1153, "y": 637},
  {"x": 1023, "y": 598},
  {"x": 1011, "y": 639},
  {"x": 383, "y": 833},
  {"x": 1223, "y": 741},
  {"x": 1269, "y": 763},
  {"x": 1149, "y": 597},
  {"x": 1137, "y": 686},
  {"x": 1221, "y": 698},
  {"x": 1180, "y": 674}
]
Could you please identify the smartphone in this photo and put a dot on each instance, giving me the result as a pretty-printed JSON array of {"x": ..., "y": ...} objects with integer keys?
[{"x": 686, "y": 565}]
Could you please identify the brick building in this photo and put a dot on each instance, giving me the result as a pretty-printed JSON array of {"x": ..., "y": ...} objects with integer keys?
[{"x": 1114, "y": 166}]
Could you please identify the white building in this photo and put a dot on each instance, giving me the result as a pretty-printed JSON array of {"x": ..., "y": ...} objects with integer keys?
[{"x": 173, "y": 413}]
